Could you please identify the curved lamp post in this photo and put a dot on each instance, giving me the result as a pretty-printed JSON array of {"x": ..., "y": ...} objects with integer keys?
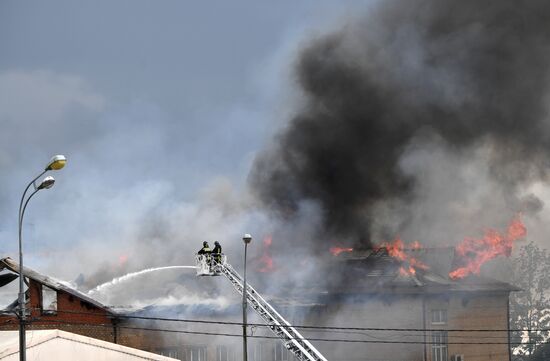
[
  {"x": 56, "y": 162},
  {"x": 247, "y": 238}
]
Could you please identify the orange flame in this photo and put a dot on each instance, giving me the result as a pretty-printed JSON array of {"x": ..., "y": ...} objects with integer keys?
[
  {"x": 337, "y": 250},
  {"x": 407, "y": 271},
  {"x": 265, "y": 261},
  {"x": 475, "y": 252},
  {"x": 122, "y": 259},
  {"x": 397, "y": 249}
]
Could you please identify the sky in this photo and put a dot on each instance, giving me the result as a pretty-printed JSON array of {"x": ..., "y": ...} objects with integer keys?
[{"x": 162, "y": 108}]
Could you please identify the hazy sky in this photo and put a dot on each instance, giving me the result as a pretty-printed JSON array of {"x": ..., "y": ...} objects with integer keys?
[{"x": 157, "y": 106}]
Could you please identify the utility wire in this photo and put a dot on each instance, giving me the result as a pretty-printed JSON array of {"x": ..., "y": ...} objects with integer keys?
[
  {"x": 126, "y": 316},
  {"x": 505, "y": 337},
  {"x": 277, "y": 338}
]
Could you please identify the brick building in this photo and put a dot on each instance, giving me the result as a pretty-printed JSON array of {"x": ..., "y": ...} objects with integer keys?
[
  {"x": 438, "y": 313},
  {"x": 363, "y": 290},
  {"x": 53, "y": 304}
]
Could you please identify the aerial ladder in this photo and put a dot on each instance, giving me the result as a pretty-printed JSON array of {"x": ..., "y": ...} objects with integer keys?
[{"x": 216, "y": 265}]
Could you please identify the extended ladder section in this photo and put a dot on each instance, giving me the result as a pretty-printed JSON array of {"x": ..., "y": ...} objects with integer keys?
[{"x": 293, "y": 340}]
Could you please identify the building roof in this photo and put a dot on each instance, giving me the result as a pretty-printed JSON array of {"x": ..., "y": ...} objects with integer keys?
[
  {"x": 44, "y": 344},
  {"x": 11, "y": 265},
  {"x": 374, "y": 271}
]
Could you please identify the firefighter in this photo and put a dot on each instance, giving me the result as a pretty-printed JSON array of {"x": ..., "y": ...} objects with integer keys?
[
  {"x": 205, "y": 251},
  {"x": 217, "y": 252}
]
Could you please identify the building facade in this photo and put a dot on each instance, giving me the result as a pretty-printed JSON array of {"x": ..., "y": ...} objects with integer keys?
[{"x": 381, "y": 314}]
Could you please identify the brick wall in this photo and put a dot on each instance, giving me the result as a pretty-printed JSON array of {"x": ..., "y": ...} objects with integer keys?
[
  {"x": 73, "y": 315},
  {"x": 473, "y": 311}
]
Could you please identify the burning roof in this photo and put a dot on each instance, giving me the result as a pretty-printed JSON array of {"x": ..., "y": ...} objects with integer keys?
[
  {"x": 377, "y": 271},
  {"x": 466, "y": 258}
]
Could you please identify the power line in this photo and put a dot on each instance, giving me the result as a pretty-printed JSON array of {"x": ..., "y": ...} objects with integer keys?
[
  {"x": 167, "y": 319},
  {"x": 277, "y": 338},
  {"x": 317, "y": 329},
  {"x": 416, "y": 335}
]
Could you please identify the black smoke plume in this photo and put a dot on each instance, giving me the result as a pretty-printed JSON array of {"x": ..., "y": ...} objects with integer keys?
[{"x": 465, "y": 72}]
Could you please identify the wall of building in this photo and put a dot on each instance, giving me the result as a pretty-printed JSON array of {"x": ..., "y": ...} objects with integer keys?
[
  {"x": 204, "y": 347},
  {"x": 72, "y": 315},
  {"x": 462, "y": 311},
  {"x": 370, "y": 311},
  {"x": 468, "y": 311},
  {"x": 484, "y": 311},
  {"x": 186, "y": 346}
]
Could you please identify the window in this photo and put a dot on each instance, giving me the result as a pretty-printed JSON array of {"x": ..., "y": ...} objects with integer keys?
[
  {"x": 439, "y": 317},
  {"x": 49, "y": 301},
  {"x": 281, "y": 353},
  {"x": 257, "y": 352},
  {"x": 439, "y": 345},
  {"x": 196, "y": 353},
  {"x": 225, "y": 353},
  {"x": 170, "y": 352}
]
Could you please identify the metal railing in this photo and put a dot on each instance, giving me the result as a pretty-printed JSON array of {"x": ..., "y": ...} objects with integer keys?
[{"x": 302, "y": 349}]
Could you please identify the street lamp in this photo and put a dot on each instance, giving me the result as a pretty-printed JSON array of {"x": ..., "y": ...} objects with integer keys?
[
  {"x": 247, "y": 238},
  {"x": 46, "y": 183},
  {"x": 56, "y": 162}
]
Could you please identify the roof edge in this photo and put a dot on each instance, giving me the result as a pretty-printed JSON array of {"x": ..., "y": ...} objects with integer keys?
[{"x": 13, "y": 266}]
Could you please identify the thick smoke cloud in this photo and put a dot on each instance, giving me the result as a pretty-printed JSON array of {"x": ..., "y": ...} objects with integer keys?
[{"x": 464, "y": 75}]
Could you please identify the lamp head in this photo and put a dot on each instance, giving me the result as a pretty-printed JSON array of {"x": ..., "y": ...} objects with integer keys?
[
  {"x": 57, "y": 162},
  {"x": 46, "y": 183},
  {"x": 247, "y": 238}
]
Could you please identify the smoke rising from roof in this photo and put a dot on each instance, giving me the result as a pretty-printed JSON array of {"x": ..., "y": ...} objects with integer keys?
[{"x": 462, "y": 75}]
